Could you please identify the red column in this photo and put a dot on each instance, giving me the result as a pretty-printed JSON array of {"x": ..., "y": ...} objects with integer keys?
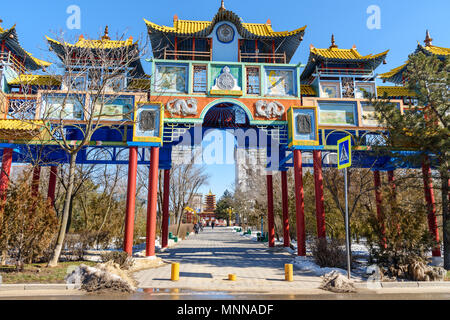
[
  {"x": 299, "y": 203},
  {"x": 318, "y": 185},
  {"x": 131, "y": 199},
  {"x": 165, "y": 220},
  {"x": 52, "y": 184},
  {"x": 285, "y": 200},
  {"x": 5, "y": 172},
  {"x": 35, "y": 181},
  {"x": 379, "y": 200},
  {"x": 152, "y": 202},
  {"x": 270, "y": 219},
  {"x": 391, "y": 180},
  {"x": 431, "y": 205}
]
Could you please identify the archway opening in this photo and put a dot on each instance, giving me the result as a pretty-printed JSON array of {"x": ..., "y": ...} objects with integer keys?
[{"x": 226, "y": 115}]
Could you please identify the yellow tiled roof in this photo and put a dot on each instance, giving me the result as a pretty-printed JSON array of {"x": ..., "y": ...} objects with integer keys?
[
  {"x": 35, "y": 80},
  {"x": 190, "y": 27},
  {"x": 345, "y": 54},
  {"x": 440, "y": 51},
  {"x": 96, "y": 44},
  {"x": 392, "y": 91},
  {"x": 2, "y": 30},
  {"x": 16, "y": 125},
  {"x": 393, "y": 71},
  {"x": 307, "y": 90},
  {"x": 39, "y": 62}
]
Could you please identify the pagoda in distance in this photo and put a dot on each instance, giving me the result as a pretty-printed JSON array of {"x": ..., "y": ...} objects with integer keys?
[{"x": 210, "y": 207}]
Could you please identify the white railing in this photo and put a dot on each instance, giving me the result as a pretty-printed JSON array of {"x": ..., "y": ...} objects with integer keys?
[{"x": 7, "y": 59}]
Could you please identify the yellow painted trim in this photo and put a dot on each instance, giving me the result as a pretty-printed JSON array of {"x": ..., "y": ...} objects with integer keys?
[
  {"x": 225, "y": 93},
  {"x": 290, "y": 116},
  {"x": 158, "y": 139}
]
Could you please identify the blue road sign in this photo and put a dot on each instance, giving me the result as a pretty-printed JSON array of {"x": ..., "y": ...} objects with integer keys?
[{"x": 344, "y": 152}]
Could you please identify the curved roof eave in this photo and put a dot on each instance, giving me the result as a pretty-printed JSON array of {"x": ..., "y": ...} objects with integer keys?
[
  {"x": 223, "y": 15},
  {"x": 316, "y": 58}
]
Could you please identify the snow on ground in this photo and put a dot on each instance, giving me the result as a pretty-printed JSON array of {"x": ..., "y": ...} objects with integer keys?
[{"x": 308, "y": 264}]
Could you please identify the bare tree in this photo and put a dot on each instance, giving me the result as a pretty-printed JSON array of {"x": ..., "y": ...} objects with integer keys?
[
  {"x": 185, "y": 181},
  {"x": 94, "y": 74}
]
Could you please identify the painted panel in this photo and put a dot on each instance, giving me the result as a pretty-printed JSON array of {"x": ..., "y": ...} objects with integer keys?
[
  {"x": 362, "y": 87},
  {"x": 330, "y": 90},
  {"x": 63, "y": 107},
  {"x": 368, "y": 115},
  {"x": 337, "y": 113},
  {"x": 279, "y": 82},
  {"x": 171, "y": 79},
  {"x": 114, "y": 108}
]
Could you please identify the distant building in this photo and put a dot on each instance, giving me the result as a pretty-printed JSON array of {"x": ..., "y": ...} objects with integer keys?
[
  {"x": 209, "y": 207},
  {"x": 249, "y": 162}
]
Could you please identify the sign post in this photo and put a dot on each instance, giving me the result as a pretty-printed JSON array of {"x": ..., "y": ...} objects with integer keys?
[{"x": 344, "y": 161}]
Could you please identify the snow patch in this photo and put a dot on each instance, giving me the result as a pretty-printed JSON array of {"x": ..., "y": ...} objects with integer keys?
[{"x": 308, "y": 264}]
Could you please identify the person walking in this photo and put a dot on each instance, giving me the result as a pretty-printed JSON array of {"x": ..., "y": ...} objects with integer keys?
[
  {"x": 213, "y": 224},
  {"x": 196, "y": 228}
]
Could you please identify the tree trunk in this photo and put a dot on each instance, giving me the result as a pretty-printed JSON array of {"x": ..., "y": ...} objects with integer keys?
[
  {"x": 445, "y": 215},
  {"x": 180, "y": 219},
  {"x": 69, "y": 220},
  {"x": 62, "y": 230}
]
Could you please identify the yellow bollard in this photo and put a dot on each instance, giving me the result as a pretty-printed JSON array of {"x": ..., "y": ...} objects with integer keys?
[
  {"x": 232, "y": 277},
  {"x": 175, "y": 272},
  {"x": 288, "y": 272}
]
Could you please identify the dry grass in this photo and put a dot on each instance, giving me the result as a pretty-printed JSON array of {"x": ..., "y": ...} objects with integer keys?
[
  {"x": 184, "y": 229},
  {"x": 39, "y": 273}
]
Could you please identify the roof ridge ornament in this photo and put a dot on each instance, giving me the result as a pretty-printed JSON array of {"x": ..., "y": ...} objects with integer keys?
[
  {"x": 106, "y": 35},
  {"x": 428, "y": 39},
  {"x": 222, "y": 6},
  {"x": 333, "y": 43}
]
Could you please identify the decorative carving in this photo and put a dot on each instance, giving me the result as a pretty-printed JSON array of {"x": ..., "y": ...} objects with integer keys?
[
  {"x": 147, "y": 120},
  {"x": 269, "y": 110},
  {"x": 226, "y": 81},
  {"x": 181, "y": 107},
  {"x": 348, "y": 87},
  {"x": 225, "y": 33},
  {"x": 303, "y": 124}
]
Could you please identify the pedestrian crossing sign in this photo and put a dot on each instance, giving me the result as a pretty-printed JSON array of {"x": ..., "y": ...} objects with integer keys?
[{"x": 344, "y": 155}]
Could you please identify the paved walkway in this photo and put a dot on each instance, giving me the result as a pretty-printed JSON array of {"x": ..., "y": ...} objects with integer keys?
[{"x": 206, "y": 260}]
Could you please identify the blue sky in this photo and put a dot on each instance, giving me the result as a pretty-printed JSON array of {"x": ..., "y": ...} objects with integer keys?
[{"x": 403, "y": 23}]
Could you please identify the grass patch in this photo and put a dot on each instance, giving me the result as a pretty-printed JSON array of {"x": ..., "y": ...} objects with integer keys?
[
  {"x": 447, "y": 278},
  {"x": 39, "y": 273}
]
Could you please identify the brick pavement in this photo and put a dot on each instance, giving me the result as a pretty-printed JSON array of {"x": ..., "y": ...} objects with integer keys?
[{"x": 206, "y": 260}]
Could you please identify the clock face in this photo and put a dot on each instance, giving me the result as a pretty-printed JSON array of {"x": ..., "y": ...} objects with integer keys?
[{"x": 225, "y": 33}]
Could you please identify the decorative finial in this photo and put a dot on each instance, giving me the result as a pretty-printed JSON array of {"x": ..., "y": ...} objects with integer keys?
[
  {"x": 106, "y": 36},
  {"x": 175, "y": 18},
  {"x": 222, "y": 6},
  {"x": 333, "y": 44},
  {"x": 428, "y": 39},
  {"x": 269, "y": 22}
]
